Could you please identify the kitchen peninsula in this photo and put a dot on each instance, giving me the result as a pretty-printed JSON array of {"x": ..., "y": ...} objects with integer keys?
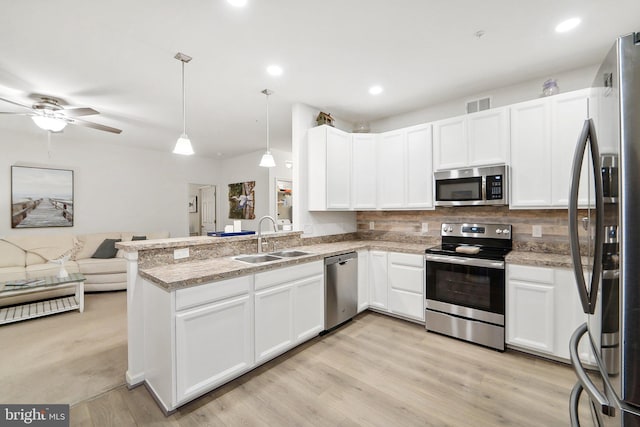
[{"x": 197, "y": 322}]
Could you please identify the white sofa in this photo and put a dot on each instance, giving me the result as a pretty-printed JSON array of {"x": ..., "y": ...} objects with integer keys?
[{"x": 29, "y": 256}]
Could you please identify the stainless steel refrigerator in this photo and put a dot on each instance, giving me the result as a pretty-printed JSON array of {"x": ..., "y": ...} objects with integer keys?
[{"x": 605, "y": 244}]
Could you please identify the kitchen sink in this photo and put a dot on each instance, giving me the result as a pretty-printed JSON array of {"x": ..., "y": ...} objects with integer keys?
[
  {"x": 258, "y": 258},
  {"x": 289, "y": 254}
]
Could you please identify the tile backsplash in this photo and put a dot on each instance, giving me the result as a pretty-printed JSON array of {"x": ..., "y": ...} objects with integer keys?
[{"x": 409, "y": 225}]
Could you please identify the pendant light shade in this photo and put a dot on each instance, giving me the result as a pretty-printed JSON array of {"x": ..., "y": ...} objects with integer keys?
[
  {"x": 267, "y": 158},
  {"x": 49, "y": 123},
  {"x": 183, "y": 145}
]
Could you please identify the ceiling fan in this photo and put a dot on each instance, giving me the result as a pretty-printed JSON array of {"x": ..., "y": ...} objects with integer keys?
[{"x": 49, "y": 114}]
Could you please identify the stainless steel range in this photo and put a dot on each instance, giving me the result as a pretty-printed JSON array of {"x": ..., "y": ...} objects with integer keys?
[{"x": 465, "y": 295}]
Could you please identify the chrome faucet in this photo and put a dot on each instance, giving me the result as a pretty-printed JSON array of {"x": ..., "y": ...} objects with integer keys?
[{"x": 275, "y": 228}]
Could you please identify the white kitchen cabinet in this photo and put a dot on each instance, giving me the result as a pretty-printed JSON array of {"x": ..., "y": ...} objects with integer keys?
[
  {"x": 214, "y": 343},
  {"x": 406, "y": 281},
  {"x": 329, "y": 169},
  {"x": 477, "y": 139},
  {"x": 450, "y": 143},
  {"x": 363, "y": 280},
  {"x": 364, "y": 171},
  {"x": 488, "y": 137},
  {"x": 405, "y": 174},
  {"x": 568, "y": 113},
  {"x": 274, "y": 321},
  {"x": 378, "y": 283},
  {"x": 543, "y": 311},
  {"x": 544, "y": 133},
  {"x": 289, "y": 308},
  {"x": 419, "y": 167},
  {"x": 391, "y": 165}
]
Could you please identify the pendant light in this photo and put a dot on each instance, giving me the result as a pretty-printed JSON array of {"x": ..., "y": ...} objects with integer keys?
[
  {"x": 183, "y": 145},
  {"x": 267, "y": 159}
]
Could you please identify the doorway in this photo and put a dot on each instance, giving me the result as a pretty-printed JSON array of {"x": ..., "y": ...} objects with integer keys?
[
  {"x": 284, "y": 206},
  {"x": 202, "y": 209}
]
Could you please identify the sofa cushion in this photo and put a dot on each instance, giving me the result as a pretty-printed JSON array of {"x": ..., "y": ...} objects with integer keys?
[
  {"x": 12, "y": 273},
  {"x": 105, "y": 279},
  {"x": 50, "y": 269},
  {"x": 90, "y": 242},
  {"x": 107, "y": 249},
  {"x": 11, "y": 255},
  {"x": 42, "y": 248},
  {"x": 102, "y": 266}
]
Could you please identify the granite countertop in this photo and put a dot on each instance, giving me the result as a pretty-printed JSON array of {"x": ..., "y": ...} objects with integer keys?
[{"x": 191, "y": 273}]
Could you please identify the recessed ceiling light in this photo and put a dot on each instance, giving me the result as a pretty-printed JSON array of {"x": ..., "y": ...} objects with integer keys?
[
  {"x": 567, "y": 25},
  {"x": 274, "y": 70},
  {"x": 375, "y": 90},
  {"x": 237, "y": 3}
]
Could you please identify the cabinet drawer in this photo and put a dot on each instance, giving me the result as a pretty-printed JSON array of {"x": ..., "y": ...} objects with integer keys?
[
  {"x": 530, "y": 274},
  {"x": 288, "y": 274},
  {"x": 197, "y": 295},
  {"x": 411, "y": 260}
]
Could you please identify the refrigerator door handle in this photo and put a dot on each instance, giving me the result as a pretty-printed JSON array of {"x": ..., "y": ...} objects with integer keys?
[
  {"x": 584, "y": 382},
  {"x": 588, "y": 295}
]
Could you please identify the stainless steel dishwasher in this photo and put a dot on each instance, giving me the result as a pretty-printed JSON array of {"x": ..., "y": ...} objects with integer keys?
[{"x": 340, "y": 289}]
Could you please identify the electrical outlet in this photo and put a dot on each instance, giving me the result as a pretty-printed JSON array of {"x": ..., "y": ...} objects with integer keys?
[
  {"x": 536, "y": 231},
  {"x": 372, "y": 225},
  {"x": 425, "y": 227},
  {"x": 181, "y": 253}
]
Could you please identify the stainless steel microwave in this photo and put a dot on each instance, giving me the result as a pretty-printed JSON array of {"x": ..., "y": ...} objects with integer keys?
[{"x": 473, "y": 186}]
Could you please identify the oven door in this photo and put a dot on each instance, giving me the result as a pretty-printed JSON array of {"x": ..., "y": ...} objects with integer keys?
[{"x": 466, "y": 287}]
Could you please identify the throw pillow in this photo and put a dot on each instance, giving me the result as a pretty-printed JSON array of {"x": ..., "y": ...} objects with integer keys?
[
  {"x": 139, "y": 238},
  {"x": 107, "y": 249}
]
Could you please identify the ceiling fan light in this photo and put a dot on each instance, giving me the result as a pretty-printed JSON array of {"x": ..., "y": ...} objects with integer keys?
[
  {"x": 267, "y": 160},
  {"x": 183, "y": 146},
  {"x": 49, "y": 123}
]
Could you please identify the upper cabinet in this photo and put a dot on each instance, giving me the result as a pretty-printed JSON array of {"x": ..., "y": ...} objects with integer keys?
[
  {"x": 363, "y": 171},
  {"x": 544, "y": 133},
  {"x": 329, "y": 168},
  {"x": 405, "y": 174},
  {"x": 476, "y": 139}
]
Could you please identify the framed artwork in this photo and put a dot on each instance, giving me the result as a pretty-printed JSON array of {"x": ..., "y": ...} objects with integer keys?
[
  {"x": 242, "y": 200},
  {"x": 41, "y": 197},
  {"x": 193, "y": 204}
]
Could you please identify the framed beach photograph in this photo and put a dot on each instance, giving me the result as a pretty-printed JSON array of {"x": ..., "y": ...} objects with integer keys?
[{"x": 41, "y": 197}]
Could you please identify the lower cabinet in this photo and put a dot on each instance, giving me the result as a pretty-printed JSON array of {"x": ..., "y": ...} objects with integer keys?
[
  {"x": 213, "y": 344},
  {"x": 289, "y": 308},
  {"x": 543, "y": 310},
  {"x": 406, "y": 277},
  {"x": 363, "y": 280},
  {"x": 198, "y": 338},
  {"x": 378, "y": 293},
  {"x": 396, "y": 284}
]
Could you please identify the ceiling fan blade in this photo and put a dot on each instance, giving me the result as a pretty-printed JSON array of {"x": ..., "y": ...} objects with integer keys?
[
  {"x": 9, "y": 113},
  {"x": 77, "y": 112},
  {"x": 93, "y": 125},
  {"x": 15, "y": 103}
]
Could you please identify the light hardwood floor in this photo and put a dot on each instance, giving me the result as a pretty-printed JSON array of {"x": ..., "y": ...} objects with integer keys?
[{"x": 374, "y": 371}]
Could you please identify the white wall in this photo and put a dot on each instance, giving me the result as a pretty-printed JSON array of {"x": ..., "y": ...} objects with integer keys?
[
  {"x": 280, "y": 171},
  {"x": 303, "y": 117},
  {"x": 567, "y": 81},
  {"x": 116, "y": 188},
  {"x": 241, "y": 169}
]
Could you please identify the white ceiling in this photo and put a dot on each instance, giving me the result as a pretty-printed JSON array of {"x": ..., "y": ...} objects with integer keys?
[{"x": 117, "y": 57}]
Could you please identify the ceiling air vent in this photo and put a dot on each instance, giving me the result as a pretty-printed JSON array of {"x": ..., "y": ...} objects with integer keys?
[{"x": 478, "y": 105}]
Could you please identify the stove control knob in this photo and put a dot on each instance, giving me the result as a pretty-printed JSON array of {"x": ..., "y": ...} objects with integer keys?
[
  {"x": 450, "y": 229},
  {"x": 498, "y": 231},
  {"x": 505, "y": 231}
]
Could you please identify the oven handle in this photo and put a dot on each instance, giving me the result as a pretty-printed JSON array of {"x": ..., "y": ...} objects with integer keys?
[{"x": 473, "y": 262}]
